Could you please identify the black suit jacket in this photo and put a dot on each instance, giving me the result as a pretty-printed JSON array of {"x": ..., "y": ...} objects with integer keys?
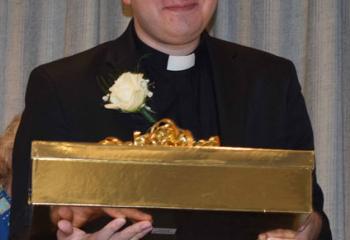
[{"x": 258, "y": 97}]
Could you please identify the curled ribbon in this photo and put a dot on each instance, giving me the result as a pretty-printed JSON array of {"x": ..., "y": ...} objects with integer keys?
[{"x": 164, "y": 133}]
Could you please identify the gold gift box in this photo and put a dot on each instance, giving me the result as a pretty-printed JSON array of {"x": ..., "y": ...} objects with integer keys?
[{"x": 187, "y": 178}]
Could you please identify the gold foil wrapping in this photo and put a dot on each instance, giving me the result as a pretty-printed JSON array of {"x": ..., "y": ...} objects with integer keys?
[{"x": 195, "y": 178}]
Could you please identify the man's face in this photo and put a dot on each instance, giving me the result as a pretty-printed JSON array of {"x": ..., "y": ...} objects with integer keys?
[{"x": 172, "y": 22}]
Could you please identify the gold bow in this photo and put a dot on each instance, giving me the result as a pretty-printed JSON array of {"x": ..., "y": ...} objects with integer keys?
[{"x": 164, "y": 133}]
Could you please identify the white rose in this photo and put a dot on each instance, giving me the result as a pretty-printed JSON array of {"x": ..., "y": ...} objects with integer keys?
[{"x": 128, "y": 93}]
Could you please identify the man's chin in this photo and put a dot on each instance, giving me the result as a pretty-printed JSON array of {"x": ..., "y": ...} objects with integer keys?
[{"x": 181, "y": 36}]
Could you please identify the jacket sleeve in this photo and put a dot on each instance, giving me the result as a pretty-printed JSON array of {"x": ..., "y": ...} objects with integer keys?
[
  {"x": 42, "y": 119},
  {"x": 300, "y": 136}
]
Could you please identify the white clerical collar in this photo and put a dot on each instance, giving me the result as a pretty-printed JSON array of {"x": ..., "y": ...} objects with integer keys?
[{"x": 180, "y": 63}]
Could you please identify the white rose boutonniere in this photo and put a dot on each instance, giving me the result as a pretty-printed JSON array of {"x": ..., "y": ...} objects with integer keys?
[{"x": 128, "y": 94}]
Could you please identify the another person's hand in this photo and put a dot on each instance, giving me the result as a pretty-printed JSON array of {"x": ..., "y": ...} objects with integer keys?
[
  {"x": 66, "y": 231},
  {"x": 310, "y": 230},
  {"x": 78, "y": 216}
]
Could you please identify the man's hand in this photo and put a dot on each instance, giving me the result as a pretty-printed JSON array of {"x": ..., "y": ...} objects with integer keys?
[
  {"x": 66, "y": 231},
  {"x": 310, "y": 230},
  {"x": 78, "y": 216}
]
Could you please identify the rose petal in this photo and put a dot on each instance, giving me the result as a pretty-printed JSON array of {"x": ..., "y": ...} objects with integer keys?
[{"x": 128, "y": 92}]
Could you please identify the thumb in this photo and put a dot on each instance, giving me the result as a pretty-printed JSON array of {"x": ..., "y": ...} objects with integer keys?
[
  {"x": 66, "y": 231},
  {"x": 65, "y": 227},
  {"x": 58, "y": 213}
]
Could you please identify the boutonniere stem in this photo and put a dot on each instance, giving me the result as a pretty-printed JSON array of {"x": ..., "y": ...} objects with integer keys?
[{"x": 147, "y": 114}]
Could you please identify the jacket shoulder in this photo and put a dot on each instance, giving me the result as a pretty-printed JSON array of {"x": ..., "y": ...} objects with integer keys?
[
  {"x": 82, "y": 62},
  {"x": 248, "y": 54}
]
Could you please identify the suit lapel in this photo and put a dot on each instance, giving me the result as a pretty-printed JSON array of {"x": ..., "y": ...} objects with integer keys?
[
  {"x": 231, "y": 92},
  {"x": 121, "y": 56}
]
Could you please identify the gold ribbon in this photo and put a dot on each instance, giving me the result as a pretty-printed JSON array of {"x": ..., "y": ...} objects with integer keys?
[{"x": 164, "y": 133}]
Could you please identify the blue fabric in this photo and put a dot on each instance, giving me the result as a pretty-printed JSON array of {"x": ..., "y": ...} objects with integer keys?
[{"x": 5, "y": 204}]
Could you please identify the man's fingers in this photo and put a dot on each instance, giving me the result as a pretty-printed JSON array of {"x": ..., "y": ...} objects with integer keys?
[
  {"x": 278, "y": 234},
  {"x": 274, "y": 238},
  {"x": 82, "y": 215},
  {"x": 77, "y": 215},
  {"x": 66, "y": 231},
  {"x": 61, "y": 235},
  {"x": 129, "y": 213},
  {"x": 65, "y": 213},
  {"x": 136, "y": 214},
  {"x": 133, "y": 231},
  {"x": 65, "y": 227},
  {"x": 58, "y": 213},
  {"x": 142, "y": 234},
  {"x": 282, "y": 233},
  {"x": 107, "y": 231},
  {"x": 306, "y": 223}
]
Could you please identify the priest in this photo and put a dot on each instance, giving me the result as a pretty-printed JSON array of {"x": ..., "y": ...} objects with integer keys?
[{"x": 248, "y": 97}]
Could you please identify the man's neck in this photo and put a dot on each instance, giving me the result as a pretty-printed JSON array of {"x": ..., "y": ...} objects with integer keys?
[{"x": 182, "y": 49}]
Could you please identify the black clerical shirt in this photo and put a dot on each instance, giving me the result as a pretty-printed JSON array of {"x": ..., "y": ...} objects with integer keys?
[{"x": 186, "y": 96}]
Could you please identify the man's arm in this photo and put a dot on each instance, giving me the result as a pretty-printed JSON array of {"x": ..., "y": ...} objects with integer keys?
[
  {"x": 300, "y": 137},
  {"x": 42, "y": 119}
]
